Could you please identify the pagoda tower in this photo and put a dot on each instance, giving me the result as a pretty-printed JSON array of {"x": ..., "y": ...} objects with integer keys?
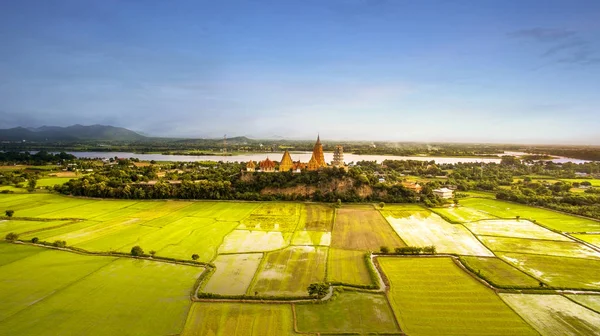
[
  {"x": 338, "y": 156},
  {"x": 317, "y": 160},
  {"x": 286, "y": 163}
]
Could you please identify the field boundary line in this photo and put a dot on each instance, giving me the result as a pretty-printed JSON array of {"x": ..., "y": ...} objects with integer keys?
[
  {"x": 579, "y": 303},
  {"x": 581, "y": 241}
]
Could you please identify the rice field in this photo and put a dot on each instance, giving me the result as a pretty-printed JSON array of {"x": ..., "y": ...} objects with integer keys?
[
  {"x": 244, "y": 241},
  {"x": 347, "y": 266},
  {"x": 554, "y": 315},
  {"x": 362, "y": 228},
  {"x": 351, "y": 312},
  {"x": 433, "y": 296},
  {"x": 61, "y": 293},
  {"x": 317, "y": 217},
  {"x": 543, "y": 247},
  {"x": 233, "y": 319},
  {"x": 498, "y": 272},
  {"x": 590, "y": 301},
  {"x": 424, "y": 229},
  {"x": 51, "y": 181},
  {"x": 290, "y": 271},
  {"x": 558, "y": 271},
  {"x": 513, "y": 228},
  {"x": 593, "y": 239},
  {"x": 234, "y": 273},
  {"x": 315, "y": 238}
]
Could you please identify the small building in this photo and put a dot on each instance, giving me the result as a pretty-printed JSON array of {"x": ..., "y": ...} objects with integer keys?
[
  {"x": 412, "y": 186},
  {"x": 443, "y": 193},
  {"x": 250, "y": 166},
  {"x": 267, "y": 166},
  {"x": 381, "y": 180}
]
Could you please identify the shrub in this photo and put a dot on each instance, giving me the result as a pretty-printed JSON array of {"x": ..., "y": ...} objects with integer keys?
[
  {"x": 381, "y": 205},
  {"x": 35, "y": 240},
  {"x": 12, "y": 237},
  {"x": 59, "y": 243},
  {"x": 152, "y": 253},
  {"x": 9, "y": 213},
  {"x": 195, "y": 257},
  {"x": 137, "y": 251},
  {"x": 318, "y": 289},
  {"x": 384, "y": 249}
]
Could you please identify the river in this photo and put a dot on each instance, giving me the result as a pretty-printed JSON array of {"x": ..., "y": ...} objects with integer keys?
[{"x": 302, "y": 156}]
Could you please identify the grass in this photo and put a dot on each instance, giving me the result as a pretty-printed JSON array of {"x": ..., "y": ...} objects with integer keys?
[
  {"x": 558, "y": 271},
  {"x": 513, "y": 228},
  {"x": 554, "y": 315},
  {"x": 593, "y": 239},
  {"x": 433, "y": 296},
  {"x": 351, "y": 312},
  {"x": 543, "y": 247},
  {"x": 290, "y": 271},
  {"x": 60, "y": 293},
  {"x": 234, "y": 273},
  {"x": 590, "y": 301},
  {"x": 234, "y": 319},
  {"x": 552, "y": 219},
  {"x": 498, "y": 272},
  {"x": 425, "y": 228},
  {"x": 347, "y": 266},
  {"x": 362, "y": 228}
]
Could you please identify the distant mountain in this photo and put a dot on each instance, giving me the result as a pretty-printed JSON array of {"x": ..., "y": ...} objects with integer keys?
[{"x": 70, "y": 133}]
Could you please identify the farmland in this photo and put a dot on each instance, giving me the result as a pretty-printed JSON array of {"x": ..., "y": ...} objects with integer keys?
[
  {"x": 273, "y": 251},
  {"x": 434, "y": 297}
]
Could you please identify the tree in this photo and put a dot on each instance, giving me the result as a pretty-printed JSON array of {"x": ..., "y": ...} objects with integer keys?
[
  {"x": 381, "y": 205},
  {"x": 31, "y": 184},
  {"x": 152, "y": 253},
  {"x": 195, "y": 257},
  {"x": 318, "y": 289},
  {"x": 35, "y": 240},
  {"x": 9, "y": 213},
  {"x": 384, "y": 249},
  {"x": 137, "y": 251},
  {"x": 338, "y": 204},
  {"x": 59, "y": 243},
  {"x": 11, "y": 237}
]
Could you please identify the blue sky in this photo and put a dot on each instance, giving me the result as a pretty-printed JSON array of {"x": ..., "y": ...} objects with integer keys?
[{"x": 461, "y": 71}]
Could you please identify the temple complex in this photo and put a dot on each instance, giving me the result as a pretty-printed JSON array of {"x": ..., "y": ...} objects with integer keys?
[{"x": 317, "y": 161}]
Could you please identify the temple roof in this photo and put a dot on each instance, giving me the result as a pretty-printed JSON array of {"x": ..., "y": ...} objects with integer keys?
[
  {"x": 267, "y": 164},
  {"x": 286, "y": 159},
  {"x": 250, "y": 164}
]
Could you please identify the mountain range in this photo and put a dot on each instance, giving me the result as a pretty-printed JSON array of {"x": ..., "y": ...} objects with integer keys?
[{"x": 69, "y": 133}]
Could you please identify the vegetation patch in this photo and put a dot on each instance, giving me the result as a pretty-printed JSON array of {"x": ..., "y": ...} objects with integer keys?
[
  {"x": 290, "y": 271},
  {"x": 560, "y": 272},
  {"x": 269, "y": 223},
  {"x": 513, "y": 228},
  {"x": 544, "y": 247},
  {"x": 318, "y": 217},
  {"x": 350, "y": 312},
  {"x": 234, "y": 273},
  {"x": 362, "y": 228},
  {"x": 430, "y": 229},
  {"x": 234, "y": 319},
  {"x": 433, "y": 296},
  {"x": 554, "y": 315},
  {"x": 348, "y": 267},
  {"x": 315, "y": 238},
  {"x": 498, "y": 273}
]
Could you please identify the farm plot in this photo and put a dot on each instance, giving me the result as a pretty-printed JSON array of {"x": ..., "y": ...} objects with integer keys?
[
  {"x": 226, "y": 211},
  {"x": 593, "y": 239},
  {"x": 351, "y": 312},
  {"x": 513, "y": 228},
  {"x": 106, "y": 209},
  {"x": 9, "y": 253},
  {"x": 498, "y": 272},
  {"x": 554, "y": 315},
  {"x": 18, "y": 226},
  {"x": 590, "y": 301},
  {"x": 242, "y": 241},
  {"x": 269, "y": 223},
  {"x": 290, "y": 271},
  {"x": 433, "y": 296},
  {"x": 431, "y": 229},
  {"x": 316, "y": 238},
  {"x": 462, "y": 214},
  {"x": 362, "y": 228},
  {"x": 234, "y": 319},
  {"x": 234, "y": 273},
  {"x": 317, "y": 217},
  {"x": 552, "y": 219},
  {"x": 46, "y": 210},
  {"x": 277, "y": 209},
  {"x": 544, "y": 247},
  {"x": 122, "y": 297},
  {"x": 558, "y": 271},
  {"x": 347, "y": 266},
  {"x": 51, "y": 181}
]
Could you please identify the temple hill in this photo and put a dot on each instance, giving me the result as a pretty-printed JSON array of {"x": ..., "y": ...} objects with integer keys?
[{"x": 316, "y": 162}]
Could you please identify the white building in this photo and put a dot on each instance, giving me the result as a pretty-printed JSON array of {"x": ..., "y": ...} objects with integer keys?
[{"x": 443, "y": 192}]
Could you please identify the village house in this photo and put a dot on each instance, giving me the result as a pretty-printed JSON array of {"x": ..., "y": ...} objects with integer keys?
[{"x": 443, "y": 193}]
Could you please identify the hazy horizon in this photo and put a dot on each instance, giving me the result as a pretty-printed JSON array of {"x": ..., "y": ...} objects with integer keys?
[{"x": 428, "y": 71}]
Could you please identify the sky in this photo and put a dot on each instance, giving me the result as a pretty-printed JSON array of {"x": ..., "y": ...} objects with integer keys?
[{"x": 517, "y": 71}]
